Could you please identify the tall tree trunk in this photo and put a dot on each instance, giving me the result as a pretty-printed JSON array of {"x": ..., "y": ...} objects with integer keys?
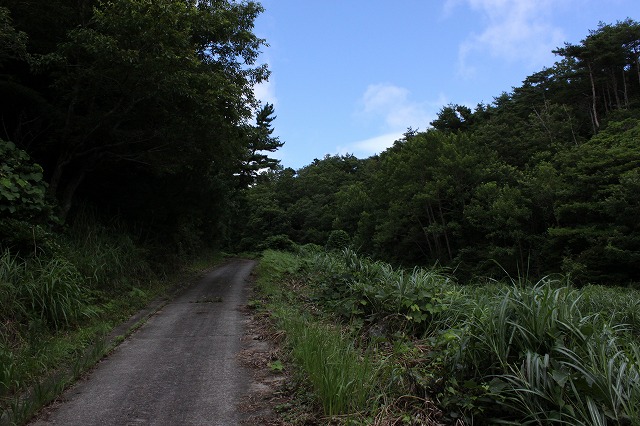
[
  {"x": 444, "y": 229},
  {"x": 436, "y": 240},
  {"x": 546, "y": 128},
  {"x": 593, "y": 99},
  {"x": 593, "y": 122},
  {"x": 69, "y": 192},
  {"x": 426, "y": 236},
  {"x": 624, "y": 85},
  {"x": 615, "y": 89},
  {"x": 570, "y": 120},
  {"x": 56, "y": 177}
]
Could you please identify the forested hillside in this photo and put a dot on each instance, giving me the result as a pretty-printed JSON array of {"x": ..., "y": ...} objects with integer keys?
[{"x": 544, "y": 179}]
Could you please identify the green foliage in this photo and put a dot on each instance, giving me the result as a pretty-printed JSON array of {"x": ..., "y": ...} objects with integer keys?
[
  {"x": 453, "y": 118},
  {"x": 106, "y": 256},
  {"x": 597, "y": 386},
  {"x": 22, "y": 188},
  {"x": 56, "y": 304},
  {"x": 338, "y": 240},
  {"x": 274, "y": 265},
  {"x": 342, "y": 379},
  {"x": 355, "y": 287},
  {"x": 47, "y": 292},
  {"x": 24, "y": 210},
  {"x": 278, "y": 242},
  {"x": 140, "y": 108},
  {"x": 298, "y": 204},
  {"x": 53, "y": 290},
  {"x": 596, "y": 207},
  {"x": 12, "y": 271},
  {"x": 521, "y": 352},
  {"x": 255, "y": 162},
  {"x": 12, "y": 42},
  {"x": 543, "y": 355},
  {"x": 276, "y": 366}
]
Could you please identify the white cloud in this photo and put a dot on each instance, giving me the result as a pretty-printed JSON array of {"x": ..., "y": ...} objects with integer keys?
[
  {"x": 390, "y": 107},
  {"x": 388, "y": 111},
  {"x": 371, "y": 146},
  {"x": 265, "y": 92},
  {"x": 515, "y": 30}
]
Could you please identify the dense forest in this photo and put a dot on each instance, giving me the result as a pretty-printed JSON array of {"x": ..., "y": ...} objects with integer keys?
[
  {"x": 545, "y": 179},
  {"x": 141, "y": 110}
]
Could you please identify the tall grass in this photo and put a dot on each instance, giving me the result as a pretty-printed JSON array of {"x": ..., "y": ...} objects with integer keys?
[
  {"x": 526, "y": 353},
  {"x": 343, "y": 379},
  {"x": 54, "y": 292},
  {"x": 620, "y": 305},
  {"x": 560, "y": 365},
  {"x": 12, "y": 271},
  {"x": 38, "y": 296},
  {"x": 595, "y": 384},
  {"x": 48, "y": 291},
  {"x": 106, "y": 256}
]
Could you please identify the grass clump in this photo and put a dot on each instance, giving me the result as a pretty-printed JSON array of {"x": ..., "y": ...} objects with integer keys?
[
  {"x": 546, "y": 359},
  {"x": 341, "y": 377}
]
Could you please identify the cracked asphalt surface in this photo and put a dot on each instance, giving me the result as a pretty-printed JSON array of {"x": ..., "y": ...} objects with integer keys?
[{"x": 179, "y": 368}]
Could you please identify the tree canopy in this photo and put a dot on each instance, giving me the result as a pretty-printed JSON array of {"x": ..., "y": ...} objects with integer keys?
[{"x": 140, "y": 107}]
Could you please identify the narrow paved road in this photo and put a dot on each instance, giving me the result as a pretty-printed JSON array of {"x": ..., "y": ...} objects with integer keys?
[{"x": 180, "y": 368}]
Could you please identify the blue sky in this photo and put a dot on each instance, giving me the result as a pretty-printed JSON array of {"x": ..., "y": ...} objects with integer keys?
[{"x": 350, "y": 76}]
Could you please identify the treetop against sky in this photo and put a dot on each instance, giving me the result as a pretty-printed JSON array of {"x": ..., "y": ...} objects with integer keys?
[{"x": 351, "y": 77}]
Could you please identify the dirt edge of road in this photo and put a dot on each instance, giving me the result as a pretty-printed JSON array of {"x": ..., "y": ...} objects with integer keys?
[{"x": 260, "y": 353}]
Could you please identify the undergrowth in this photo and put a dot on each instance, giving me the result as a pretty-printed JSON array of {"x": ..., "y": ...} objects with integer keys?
[{"x": 516, "y": 352}]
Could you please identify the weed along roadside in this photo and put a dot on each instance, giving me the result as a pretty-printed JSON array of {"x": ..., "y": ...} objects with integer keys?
[
  {"x": 52, "y": 385},
  {"x": 38, "y": 362},
  {"x": 371, "y": 344}
]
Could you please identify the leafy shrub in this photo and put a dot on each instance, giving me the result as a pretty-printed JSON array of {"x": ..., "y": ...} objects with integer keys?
[
  {"x": 27, "y": 237},
  {"x": 338, "y": 240},
  {"x": 278, "y": 264},
  {"x": 22, "y": 188},
  {"x": 310, "y": 249},
  {"x": 357, "y": 287},
  {"x": 278, "y": 242},
  {"x": 22, "y": 201}
]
